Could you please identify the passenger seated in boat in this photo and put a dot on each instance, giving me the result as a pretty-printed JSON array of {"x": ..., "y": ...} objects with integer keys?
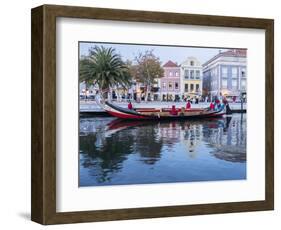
[
  {"x": 212, "y": 106},
  {"x": 217, "y": 104},
  {"x": 174, "y": 111},
  {"x": 188, "y": 105},
  {"x": 130, "y": 106},
  {"x": 182, "y": 110}
]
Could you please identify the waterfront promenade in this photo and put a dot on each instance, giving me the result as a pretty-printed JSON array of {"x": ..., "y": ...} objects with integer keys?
[{"x": 91, "y": 105}]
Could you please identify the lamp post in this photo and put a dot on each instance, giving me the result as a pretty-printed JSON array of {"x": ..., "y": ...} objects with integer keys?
[
  {"x": 241, "y": 98},
  {"x": 86, "y": 94}
]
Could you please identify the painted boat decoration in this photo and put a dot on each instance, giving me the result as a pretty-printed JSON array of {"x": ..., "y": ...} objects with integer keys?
[{"x": 160, "y": 114}]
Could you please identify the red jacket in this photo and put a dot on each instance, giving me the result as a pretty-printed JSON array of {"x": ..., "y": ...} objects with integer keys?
[
  {"x": 188, "y": 105},
  {"x": 212, "y": 106},
  {"x": 130, "y": 106},
  {"x": 174, "y": 111}
]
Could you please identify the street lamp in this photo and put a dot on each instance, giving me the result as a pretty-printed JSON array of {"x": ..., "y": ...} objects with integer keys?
[{"x": 241, "y": 98}]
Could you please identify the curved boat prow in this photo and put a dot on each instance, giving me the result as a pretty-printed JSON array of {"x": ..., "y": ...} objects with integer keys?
[{"x": 124, "y": 113}]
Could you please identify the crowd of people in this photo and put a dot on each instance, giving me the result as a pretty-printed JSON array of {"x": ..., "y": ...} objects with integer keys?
[{"x": 214, "y": 105}]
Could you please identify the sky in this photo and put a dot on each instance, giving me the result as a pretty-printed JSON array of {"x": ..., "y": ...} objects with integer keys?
[{"x": 165, "y": 53}]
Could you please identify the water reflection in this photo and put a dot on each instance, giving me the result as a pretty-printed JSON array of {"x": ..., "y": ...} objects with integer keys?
[{"x": 114, "y": 151}]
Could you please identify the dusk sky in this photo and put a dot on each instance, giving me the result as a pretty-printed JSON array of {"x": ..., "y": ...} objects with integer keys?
[{"x": 165, "y": 53}]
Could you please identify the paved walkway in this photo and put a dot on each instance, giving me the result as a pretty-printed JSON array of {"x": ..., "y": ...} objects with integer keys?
[{"x": 91, "y": 106}]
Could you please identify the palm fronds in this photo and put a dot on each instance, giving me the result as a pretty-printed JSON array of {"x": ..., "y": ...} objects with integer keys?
[{"x": 104, "y": 68}]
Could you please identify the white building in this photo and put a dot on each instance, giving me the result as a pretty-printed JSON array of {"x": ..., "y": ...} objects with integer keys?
[
  {"x": 226, "y": 74},
  {"x": 191, "y": 77}
]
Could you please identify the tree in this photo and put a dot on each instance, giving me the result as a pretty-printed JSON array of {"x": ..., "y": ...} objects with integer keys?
[
  {"x": 84, "y": 73},
  {"x": 147, "y": 69},
  {"x": 105, "y": 68}
]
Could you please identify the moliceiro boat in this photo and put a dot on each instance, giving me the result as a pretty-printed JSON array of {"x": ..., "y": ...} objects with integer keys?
[{"x": 160, "y": 114}]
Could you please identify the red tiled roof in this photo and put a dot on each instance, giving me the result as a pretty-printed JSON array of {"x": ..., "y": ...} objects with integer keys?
[{"x": 170, "y": 64}]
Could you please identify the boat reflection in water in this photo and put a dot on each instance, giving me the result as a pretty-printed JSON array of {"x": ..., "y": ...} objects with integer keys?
[{"x": 118, "y": 152}]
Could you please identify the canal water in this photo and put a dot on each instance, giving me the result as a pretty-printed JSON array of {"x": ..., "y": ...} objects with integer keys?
[{"x": 118, "y": 152}]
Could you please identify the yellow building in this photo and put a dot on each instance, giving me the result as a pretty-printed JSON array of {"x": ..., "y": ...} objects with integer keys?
[{"x": 191, "y": 78}]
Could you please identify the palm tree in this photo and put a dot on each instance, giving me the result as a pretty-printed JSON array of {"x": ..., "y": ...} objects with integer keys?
[{"x": 105, "y": 68}]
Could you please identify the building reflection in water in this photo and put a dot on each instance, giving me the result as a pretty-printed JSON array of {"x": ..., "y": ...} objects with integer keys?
[{"x": 108, "y": 145}]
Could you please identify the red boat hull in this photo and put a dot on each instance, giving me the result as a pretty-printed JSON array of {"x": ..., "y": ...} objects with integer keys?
[{"x": 123, "y": 113}]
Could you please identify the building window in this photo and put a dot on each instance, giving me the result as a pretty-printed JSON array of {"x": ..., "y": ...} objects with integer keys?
[
  {"x": 177, "y": 74},
  {"x": 192, "y": 63},
  {"x": 243, "y": 84},
  {"x": 176, "y": 85},
  {"x": 197, "y": 88},
  {"x": 186, "y": 74},
  {"x": 212, "y": 72},
  {"x": 224, "y": 83},
  {"x": 197, "y": 74},
  {"x": 186, "y": 87},
  {"x": 213, "y": 84},
  {"x": 191, "y": 74},
  {"x": 224, "y": 72},
  {"x": 191, "y": 87},
  {"x": 170, "y": 73},
  {"x": 234, "y": 72},
  {"x": 234, "y": 84},
  {"x": 243, "y": 73},
  {"x": 170, "y": 85},
  {"x": 164, "y": 85}
]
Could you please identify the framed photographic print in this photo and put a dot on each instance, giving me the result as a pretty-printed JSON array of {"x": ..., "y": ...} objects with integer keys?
[{"x": 140, "y": 114}]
